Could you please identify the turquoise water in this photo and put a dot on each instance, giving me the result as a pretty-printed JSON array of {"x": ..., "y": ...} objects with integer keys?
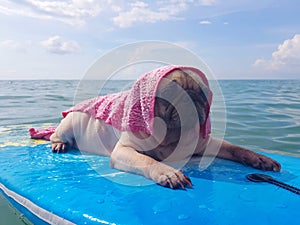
[{"x": 262, "y": 115}]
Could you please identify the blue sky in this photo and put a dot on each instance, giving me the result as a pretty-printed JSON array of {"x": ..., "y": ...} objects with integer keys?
[{"x": 237, "y": 39}]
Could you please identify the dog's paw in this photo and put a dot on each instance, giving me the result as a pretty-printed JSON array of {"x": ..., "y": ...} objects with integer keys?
[
  {"x": 59, "y": 147},
  {"x": 171, "y": 178},
  {"x": 259, "y": 161}
]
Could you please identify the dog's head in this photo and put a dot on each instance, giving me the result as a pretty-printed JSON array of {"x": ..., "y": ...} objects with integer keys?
[
  {"x": 182, "y": 102},
  {"x": 176, "y": 93}
]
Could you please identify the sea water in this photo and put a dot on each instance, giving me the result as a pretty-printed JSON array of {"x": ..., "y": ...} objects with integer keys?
[{"x": 263, "y": 115}]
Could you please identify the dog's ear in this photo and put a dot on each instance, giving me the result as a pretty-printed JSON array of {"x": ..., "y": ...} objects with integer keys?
[
  {"x": 199, "y": 93},
  {"x": 200, "y": 102}
]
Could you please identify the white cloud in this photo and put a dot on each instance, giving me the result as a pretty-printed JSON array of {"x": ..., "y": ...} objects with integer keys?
[
  {"x": 205, "y": 22},
  {"x": 57, "y": 45},
  {"x": 164, "y": 10},
  {"x": 143, "y": 13},
  {"x": 73, "y": 12},
  {"x": 15, "y": 45},
  {"x": 122, "y": 13},
  {"x": 286, "y": 58},
  {"x": 11, "y": 9},
  {"x": 73, "y": 8}
]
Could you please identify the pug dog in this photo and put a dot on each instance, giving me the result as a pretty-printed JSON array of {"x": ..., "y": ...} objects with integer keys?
[{"x": 180, "y": 113}]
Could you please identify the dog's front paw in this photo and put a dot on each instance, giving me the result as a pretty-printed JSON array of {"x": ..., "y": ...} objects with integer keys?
[
  {"x": 259, "y": 161},
  {"x": 169, "y": 177},
  {"x": 59, "y": 147}
]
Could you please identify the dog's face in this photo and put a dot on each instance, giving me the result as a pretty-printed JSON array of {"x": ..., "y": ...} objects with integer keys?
[{"x": 177, "y": 93}]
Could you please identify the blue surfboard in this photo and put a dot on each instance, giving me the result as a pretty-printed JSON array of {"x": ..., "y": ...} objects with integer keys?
[{"x": 76, "y": 188}]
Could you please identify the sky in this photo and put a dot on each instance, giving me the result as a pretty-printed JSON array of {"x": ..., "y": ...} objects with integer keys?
[{"x": 237, "y": 39}]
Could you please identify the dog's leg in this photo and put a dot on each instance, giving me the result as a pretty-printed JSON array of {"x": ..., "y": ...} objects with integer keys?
[
  {"x": 242, "y": 155},
  {"x": 128, "y": 159},
  {"x": 63, "y": 137}
]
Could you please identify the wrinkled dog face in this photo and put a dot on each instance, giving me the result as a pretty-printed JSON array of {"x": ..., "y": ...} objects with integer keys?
[{"x": 178, "y": 91}]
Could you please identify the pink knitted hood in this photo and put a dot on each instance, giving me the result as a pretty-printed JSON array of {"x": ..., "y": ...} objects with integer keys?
[{"x": 133, "y": 110}]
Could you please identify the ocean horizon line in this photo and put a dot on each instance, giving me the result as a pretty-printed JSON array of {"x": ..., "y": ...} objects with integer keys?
[{"x": 222, "y": 79}]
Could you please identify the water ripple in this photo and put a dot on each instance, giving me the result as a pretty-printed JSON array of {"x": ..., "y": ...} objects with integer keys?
[
  {"x": 264, "y": 114},
  {"x": 260, "y": 114}
]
